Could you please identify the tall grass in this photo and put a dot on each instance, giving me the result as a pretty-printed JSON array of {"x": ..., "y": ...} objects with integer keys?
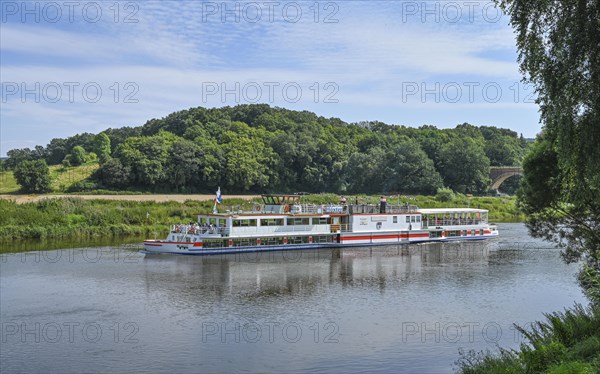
[
  {"x": 8, "y": 183},
  {"x": 566, "y": 342},
  {"x": 69, "y": 218},
  {"x": 64, "y": 177}
]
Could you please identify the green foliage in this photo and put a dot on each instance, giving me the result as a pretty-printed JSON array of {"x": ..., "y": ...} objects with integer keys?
[
  {"x": 102, "y": 147},
  {"x": 399, "y": 167},
  {"x": 91, "y": 157},
  {"x": 83, "y": 186},
  {"x": 566, "y": 342},
  {"x": 540, "y": 187},
  {"x": 464, "y": 165},
  {"x": 33, "y": 176},
  {"x": 113, "y": 174},
  {"x": 17, "y": 156},
  {"x": 8, "y": 184},
  {"x": 444, "y": 195},
  {"x": 258, "y": 148},
  {"x": 78, "y": 156},
  {"x": 63, "y": 178},
  {"x": 558, "y": 52},
  {"x": 73, "y": 218}
]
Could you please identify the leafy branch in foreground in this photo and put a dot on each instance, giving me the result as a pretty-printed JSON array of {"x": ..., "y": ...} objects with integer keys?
[
  {"x": 566, "y": 342},
  {"x": 558, "y": 52}
]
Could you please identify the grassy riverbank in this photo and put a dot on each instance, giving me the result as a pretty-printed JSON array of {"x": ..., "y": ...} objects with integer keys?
[
  {"x": 565, "y": 343},
  {"x": 75, "y": 218}
]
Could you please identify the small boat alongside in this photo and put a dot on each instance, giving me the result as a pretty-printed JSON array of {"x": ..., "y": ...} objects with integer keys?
[{"x": 283, "y": 222}]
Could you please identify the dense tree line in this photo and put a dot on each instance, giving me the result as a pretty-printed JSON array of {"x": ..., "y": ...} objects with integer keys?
[{"x": 257, "y": 148}]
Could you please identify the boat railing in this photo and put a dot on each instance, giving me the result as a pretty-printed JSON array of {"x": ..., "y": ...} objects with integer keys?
[
  {"x": 267, "y": 230},
  {"x": 344, "y": 227},
  {"x": 198, "y": 230},
  {"x": 451, "y": 222},
  {"x": 377, "y": 209}
]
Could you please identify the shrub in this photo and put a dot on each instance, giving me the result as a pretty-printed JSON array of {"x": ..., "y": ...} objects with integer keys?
[
  {"x": 33, "y": 176},
  {"x": 444, "y": 195},
  {"x": 83, "y": 186},
  {"x": 78, "y": 156}
]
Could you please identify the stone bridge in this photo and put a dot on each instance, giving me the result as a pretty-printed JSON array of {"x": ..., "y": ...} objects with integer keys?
[{"x": 499, "y": 174}]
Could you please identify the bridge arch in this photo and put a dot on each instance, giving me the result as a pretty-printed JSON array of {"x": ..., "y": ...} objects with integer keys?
[{"x": 498, "y": 174}]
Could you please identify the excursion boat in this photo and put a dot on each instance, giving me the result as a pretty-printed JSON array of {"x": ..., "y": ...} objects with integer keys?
[{"x": 283, "y": 222}]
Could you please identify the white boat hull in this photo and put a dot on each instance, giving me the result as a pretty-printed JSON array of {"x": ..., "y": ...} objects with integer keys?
[{"x": 346, "y": 240}]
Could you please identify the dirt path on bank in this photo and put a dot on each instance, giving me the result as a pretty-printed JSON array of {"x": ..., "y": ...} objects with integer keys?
[{"x": 20, "y": 199}]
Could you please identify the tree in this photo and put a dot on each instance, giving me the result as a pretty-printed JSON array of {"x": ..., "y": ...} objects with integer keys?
[
  {"x": 17, "y": 156},
  {"x": 464, "y": 165},
  {"x": 401, "y": 167},
  {"x": 56, "y": 151},
  {"x": 77, "y": 156},
  {"x": 184, "y": 166},
  {"x": 102, "y": 147},
  {"x": 558, "y": 53},
  {"x": 33, "y": 176},
  {"x": 113, "y": 174},
  {"x": 503, "y": 150}
]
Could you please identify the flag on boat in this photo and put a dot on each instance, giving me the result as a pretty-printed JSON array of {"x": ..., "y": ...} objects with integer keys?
[{"x": 219, "y": 198}]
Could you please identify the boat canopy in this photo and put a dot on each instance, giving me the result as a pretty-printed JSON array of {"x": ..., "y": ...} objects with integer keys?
[
  {"x": 452, "y": 210},
  {"x": 276, "y": 199}
]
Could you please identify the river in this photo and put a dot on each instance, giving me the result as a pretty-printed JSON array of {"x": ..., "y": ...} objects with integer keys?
[{"x": 380, "y": 309}]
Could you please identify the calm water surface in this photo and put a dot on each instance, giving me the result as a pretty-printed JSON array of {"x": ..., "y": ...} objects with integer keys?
[{"x": 400, "y": 309}]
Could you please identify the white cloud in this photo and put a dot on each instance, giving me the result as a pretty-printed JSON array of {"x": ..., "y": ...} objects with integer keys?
[{"x": 170, "y": 53}]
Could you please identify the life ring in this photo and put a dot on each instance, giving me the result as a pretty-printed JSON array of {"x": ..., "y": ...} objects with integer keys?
[
  {"x": 286, "y": 208},
  {"x": 257, "y": 208}
]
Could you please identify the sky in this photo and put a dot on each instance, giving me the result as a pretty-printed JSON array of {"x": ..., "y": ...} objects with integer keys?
[{"x": 84, "y": 66}]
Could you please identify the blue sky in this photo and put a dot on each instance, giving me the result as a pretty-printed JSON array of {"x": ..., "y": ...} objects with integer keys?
[{"x": 71, "y": 67}]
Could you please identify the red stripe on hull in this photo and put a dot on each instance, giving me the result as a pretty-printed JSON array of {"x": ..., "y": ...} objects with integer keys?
[
  {"x": 158, "y": 244},
  {"x": 384, "y": 236}
]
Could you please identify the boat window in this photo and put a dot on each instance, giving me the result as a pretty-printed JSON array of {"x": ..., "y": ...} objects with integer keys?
[
  {"x": 418, "y": 218},
  {"x": 244, "y": 222},
  {"x": 395, "y": 219},
  {"x": 407, "y": 219},
  {"x": 413, "y": 219},
  {"x": 297, "y": 221},
  {"x": 321, "y": 221},
  {"x": 271, "y": 222}
]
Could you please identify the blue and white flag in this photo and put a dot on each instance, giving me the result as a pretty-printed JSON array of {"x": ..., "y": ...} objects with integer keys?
[{"x": 219, "y": 198}]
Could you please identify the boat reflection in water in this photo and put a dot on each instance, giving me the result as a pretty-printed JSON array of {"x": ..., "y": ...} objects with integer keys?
[{"x": 287, "y": 272}]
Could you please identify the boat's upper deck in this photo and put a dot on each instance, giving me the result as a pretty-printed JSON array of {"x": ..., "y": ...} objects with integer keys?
[{"x": 291, "y": 205}]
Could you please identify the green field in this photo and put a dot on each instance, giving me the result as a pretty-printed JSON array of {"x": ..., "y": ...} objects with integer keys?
[
  {"x": 8, "y": 184},
  {"x": 62, "y": 177}
]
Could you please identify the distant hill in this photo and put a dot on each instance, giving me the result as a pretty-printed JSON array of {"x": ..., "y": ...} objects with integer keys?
[{"x": 258, "y": 148}]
